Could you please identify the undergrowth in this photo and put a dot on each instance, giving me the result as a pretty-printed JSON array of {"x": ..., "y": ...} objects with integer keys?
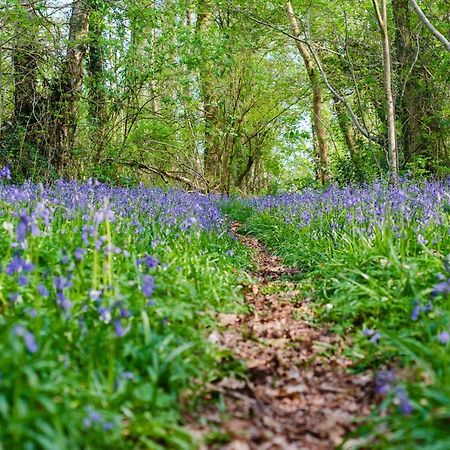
[{"x": 375, "y": 261}]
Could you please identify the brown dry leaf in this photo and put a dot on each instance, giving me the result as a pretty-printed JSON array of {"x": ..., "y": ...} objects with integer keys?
[
  {"x": 228, "y": 319},
  {"x": 299, "y": 393}
]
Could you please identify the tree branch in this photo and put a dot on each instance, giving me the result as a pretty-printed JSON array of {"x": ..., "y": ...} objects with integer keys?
[{"x": 439, "y": 36}]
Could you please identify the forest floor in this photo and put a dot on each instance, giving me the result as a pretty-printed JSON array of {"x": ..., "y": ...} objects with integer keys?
[{"x": 298, "y": 392}]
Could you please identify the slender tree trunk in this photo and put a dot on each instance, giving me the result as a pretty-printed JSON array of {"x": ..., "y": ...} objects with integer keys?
[
  {"x": 345, "y": 124},
  {"x": 411, "y": 101},
  {"x": 66, "y": 92},
  {"x": 212, "y": 163},
  {"x": 317, "y": 117},
  {"x": 153, "y": 82},
  {"x": 381, "y": 14},
  {"x": 97, "y": 81}
]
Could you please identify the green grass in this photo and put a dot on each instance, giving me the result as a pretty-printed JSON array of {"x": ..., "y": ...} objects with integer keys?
[
  {"x": 360, "y": 283},
  {"x": 85, "y": 386}
]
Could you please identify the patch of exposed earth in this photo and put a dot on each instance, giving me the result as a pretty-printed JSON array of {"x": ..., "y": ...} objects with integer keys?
[{"x": 299, "y": 392}]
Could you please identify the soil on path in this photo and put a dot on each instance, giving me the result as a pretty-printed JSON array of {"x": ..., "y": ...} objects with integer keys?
[{"x": 298, "y": 393}]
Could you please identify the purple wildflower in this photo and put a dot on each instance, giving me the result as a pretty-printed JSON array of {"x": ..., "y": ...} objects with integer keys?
[
  {"x": 416, "y": 311},
  {"x": 14, "y": 266},
  {"x": 92, "y": 418},
  {"x": 23, "y": 227},
  {"x": 80, "y": 253},
  {"x": 127, "y": 375},
  {"x": 104, "y": 314},
  {"x": 384, "y": 381},
  {"x": 61, "y": 283},
  {"x": 108, "y": 426},
  {"x": 405, "y": 406},
  {"x": 375, "y": 338},
  {"x": 442, "y": 288},
  {"x": 23, "y": 280},
  {"x": 443, "y": 337},
  {"x": 95, "y": 295},
  {"x": 5, "y": 172},
  {"x": 13, "y": 297},
  {"x": 28, "y": 338},
  {"x": 119, "y": 329},
  {"x": 63, "y": 302},
  {"x": 124, "y": 313},
  {"x": 31, "y": 312},
  {"x": 42, "y": 291},
  {"x": 148, "y": 285},
  {"x": 148, "y": 261}
]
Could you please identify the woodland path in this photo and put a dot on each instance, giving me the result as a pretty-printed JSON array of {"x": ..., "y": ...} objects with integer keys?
[{"x": 299, "y": 393}]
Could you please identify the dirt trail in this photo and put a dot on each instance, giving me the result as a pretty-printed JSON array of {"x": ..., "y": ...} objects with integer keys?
[{"x": 299, "y": 394}]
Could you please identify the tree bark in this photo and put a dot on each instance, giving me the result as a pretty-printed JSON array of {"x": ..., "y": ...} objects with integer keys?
[
  {"x": 411, "y": 104},
  {"x": 345, "y": 124},
  {"x": 381, "y": 15},
  {"x": 317, "y": 107},
  {"x": 97, "y": 80},
  {"x": 66, "y": 92},
  {"x": 211, "y": 157},
  {"x": 25, "y": 63}
]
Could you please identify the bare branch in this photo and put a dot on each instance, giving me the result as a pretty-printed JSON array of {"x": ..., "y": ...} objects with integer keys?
[{"x": 430, "y": 26}]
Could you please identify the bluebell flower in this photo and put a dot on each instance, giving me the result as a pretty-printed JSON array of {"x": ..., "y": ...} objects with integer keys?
[
  {"x": 119, "y": 329},
  {"x": 23, "y": 280},
  {"x": 149, "y": 261},
  {"x": 63, "y": 302},
  {"x": 375, "y": 338},
  {"x": 405, "y": 406},
  {"x": 93, "y": 417},
  {"x": 443, "y": 337},
  {"x": 28, "y": 337},
  {"x": 127, "y": 375},
  {"x": 31, "y": 312},
  {"x": 17, "y": 265},
  {"x": 384, "y": 381},
  {"x": 95, "y": 294},
  {"x": 148, "y": 285},
  {"x": 124, "y": 313},
  {"x": 22, "y": 227},
  {"x": 104, "y": 314},
  {"x": 5, "y": 172},
  {"x": 61, "y": 283},
  {"x": 42, "y": 291},
  {"x": 442, "y": 288},
  {"x": 108, "y": 426},
  {"x": 416, "y": 311},
  {"x": 13, "y": 297}
]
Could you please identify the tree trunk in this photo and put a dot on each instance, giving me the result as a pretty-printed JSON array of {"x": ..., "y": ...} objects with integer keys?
[
  {"x": 345, "y": 124},
  {"x": 211, "y": 158},
  {"x": 97, "y": 82},
  {"x": 409, "y": 105},
  {"x": 320, "y": 142},
  {"x": 25, "y": 62},
  {"x": 66, "y": 92},
  {"x": 381, "y": 14}
]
